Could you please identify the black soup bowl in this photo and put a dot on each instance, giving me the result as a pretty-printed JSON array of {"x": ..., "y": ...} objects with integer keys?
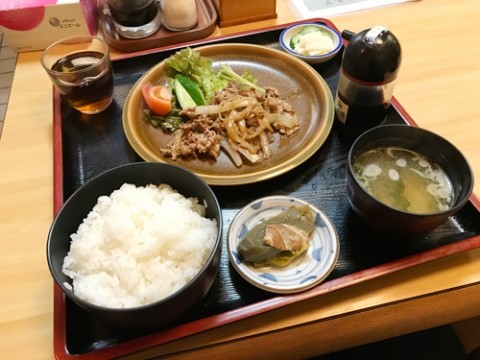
[
  {"x": 431, "y": 146},
  {"x": 76, "y": 208}
]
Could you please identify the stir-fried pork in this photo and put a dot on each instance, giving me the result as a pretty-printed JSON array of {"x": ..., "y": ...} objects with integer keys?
[{"x": 241, "y": 121}]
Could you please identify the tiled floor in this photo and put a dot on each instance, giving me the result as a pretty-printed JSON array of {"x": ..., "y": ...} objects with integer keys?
[{"x": 8, "y": 59}]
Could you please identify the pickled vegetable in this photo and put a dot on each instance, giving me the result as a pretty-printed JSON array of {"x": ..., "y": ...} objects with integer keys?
[
  {"x": 279, "y": 239},
  {"x": 305, "y": 30}
]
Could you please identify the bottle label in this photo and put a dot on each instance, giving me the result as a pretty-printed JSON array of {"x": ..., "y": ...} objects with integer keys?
[{"x": 341, "y": 109}]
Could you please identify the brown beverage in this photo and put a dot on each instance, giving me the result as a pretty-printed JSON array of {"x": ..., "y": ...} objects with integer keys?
[
  {"x": 85, "y": 87},
  {"x": 126, "y": 15}
]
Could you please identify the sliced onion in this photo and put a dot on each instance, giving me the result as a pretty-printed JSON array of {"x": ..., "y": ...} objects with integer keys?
[
  {"x": 265, "y": 124},
  {"x": 175, "y": 144},
  {"x": 234, "y": 155},
  {"x": 242, "y": 128},
  {"x": 226, "y": 106},
  {"x": 232, "y": 133},
  {"x": 265, "y": 144},
  {"x": 282, "y": 120},
  {"x": 253, "y": 158}
]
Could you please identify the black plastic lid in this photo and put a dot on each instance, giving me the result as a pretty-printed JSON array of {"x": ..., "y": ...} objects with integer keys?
[{"x": 373, "y": 55}]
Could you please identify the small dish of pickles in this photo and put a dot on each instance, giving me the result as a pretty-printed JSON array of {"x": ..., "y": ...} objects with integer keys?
[
  {"x": 313, "y": 43},
  {"x": 282, "y": 244}
]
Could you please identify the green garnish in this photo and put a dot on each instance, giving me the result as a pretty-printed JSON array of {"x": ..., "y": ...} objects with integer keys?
[
  {"x": 198, "y": 69},
  {"x": 169, "y": 123}
]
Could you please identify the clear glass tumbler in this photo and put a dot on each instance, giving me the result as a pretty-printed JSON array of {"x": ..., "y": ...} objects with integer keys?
[{"x": 81, "y": 70}]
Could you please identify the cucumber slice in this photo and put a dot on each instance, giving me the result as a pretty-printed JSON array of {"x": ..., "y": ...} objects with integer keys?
[
  {"x": 294, "y": 40},
  {"x": 308, "y": 29},
  {"x": 183, "y": 97},
  {"x": 192, "y": 88},
  {"x": 305, "y": 30}
]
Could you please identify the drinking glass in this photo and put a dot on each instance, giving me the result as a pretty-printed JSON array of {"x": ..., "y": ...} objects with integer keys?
[
  {"x": 81, "y": 70},
  {"x": 135, "y": 19}
]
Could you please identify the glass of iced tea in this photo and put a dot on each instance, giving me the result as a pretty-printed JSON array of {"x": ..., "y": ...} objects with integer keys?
[
  {"x": 81, "y": 70},
  {"x": 135, "y": 19}
]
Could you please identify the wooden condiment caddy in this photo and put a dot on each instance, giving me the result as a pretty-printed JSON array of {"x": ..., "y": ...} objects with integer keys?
[{"x": 234, "y": 12}]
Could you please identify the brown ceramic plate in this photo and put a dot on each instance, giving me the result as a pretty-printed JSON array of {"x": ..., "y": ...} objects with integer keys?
[{"x": 298, "y": 83}]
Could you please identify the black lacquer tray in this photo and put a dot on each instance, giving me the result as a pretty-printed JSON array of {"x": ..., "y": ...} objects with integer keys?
[{"x": 88, "y": 145}]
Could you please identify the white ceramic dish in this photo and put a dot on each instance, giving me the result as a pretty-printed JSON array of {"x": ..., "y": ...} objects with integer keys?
[
  {"x": 289, "y": 32},
  {"x": 306, "y": 271}
]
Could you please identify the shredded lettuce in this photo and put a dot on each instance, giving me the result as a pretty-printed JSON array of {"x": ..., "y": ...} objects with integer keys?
[{"x": 199, "y": 68}]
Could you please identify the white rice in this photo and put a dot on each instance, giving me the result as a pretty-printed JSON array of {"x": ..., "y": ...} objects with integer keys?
[{"x": 139, "y": 245}]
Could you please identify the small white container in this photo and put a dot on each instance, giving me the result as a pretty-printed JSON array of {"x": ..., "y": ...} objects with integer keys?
[{"x": 179, "y": 15}]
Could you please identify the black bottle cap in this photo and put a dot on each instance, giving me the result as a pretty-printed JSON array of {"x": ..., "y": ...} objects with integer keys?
[{"x": 372, "y": 55}]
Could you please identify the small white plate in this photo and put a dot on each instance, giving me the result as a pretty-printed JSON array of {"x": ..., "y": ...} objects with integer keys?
[{"x": 307, "y": 270}]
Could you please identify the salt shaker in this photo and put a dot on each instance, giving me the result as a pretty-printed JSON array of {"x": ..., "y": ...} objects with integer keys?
[
  {"x": 369, "y": 68},
  {"x": 179, "y": 15}
]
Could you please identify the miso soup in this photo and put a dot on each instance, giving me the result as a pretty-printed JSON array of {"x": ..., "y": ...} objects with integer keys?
[{"x": 404, "y": 180}]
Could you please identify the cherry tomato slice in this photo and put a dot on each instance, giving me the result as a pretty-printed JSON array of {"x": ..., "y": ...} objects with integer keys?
[{"x": 158, "y": 98}]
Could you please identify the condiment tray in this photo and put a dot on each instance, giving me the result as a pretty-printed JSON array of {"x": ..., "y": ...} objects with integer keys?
[{"x": 207, "y": 19}]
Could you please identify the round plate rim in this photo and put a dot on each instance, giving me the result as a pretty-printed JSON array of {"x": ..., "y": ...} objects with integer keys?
[
  {"x": 286, "y": 201},
  {"x": 298, "y": 158}
]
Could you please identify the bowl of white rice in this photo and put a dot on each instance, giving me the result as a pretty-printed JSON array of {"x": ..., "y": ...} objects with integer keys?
[{"x": 137, "y": 246}]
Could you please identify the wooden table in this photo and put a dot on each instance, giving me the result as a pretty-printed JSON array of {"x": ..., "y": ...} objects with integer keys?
[{"x": 438, "y": 85}]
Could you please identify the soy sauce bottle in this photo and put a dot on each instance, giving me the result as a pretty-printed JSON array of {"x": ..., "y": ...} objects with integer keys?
[{"x": 369, "y": 68}]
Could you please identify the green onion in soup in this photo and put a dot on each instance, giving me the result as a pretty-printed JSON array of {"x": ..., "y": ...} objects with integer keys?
[{"x": 404, "y": 180}]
